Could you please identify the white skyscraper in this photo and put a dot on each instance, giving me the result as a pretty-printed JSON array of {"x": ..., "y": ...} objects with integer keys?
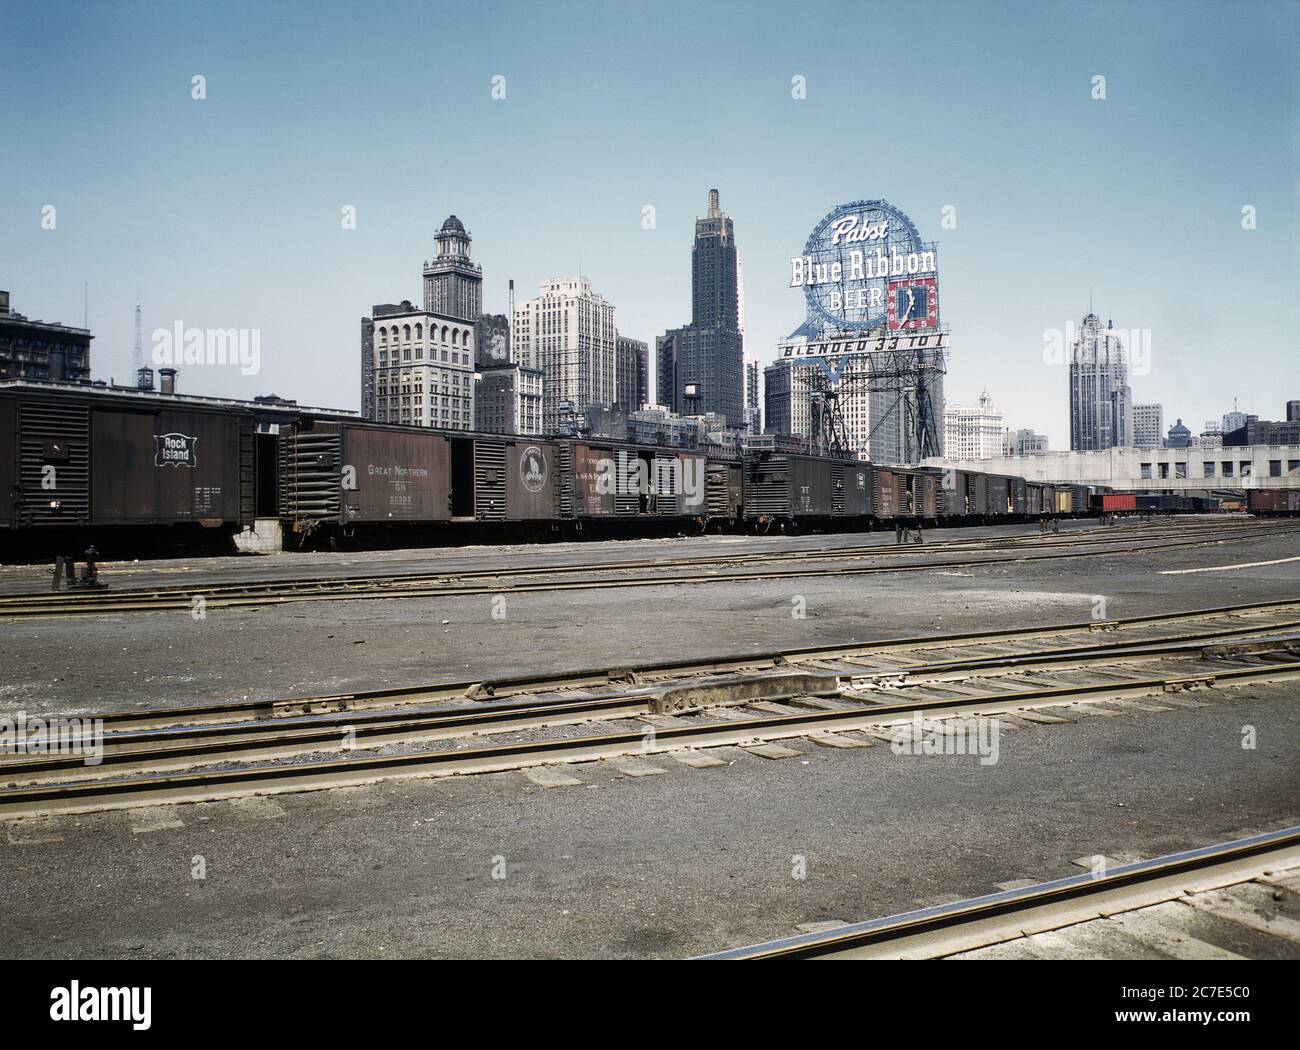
[
  {"x": 568, "y": 332},
  {"x": 973, "y": 431}
]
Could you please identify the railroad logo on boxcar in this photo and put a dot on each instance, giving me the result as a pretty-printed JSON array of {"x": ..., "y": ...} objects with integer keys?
[
  {"x": 532, "y": 468},
  {"x": 174, "y": 450}
]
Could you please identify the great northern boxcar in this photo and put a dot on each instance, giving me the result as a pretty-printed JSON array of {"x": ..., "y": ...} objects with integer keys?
[{"x": 357, "y": 474}]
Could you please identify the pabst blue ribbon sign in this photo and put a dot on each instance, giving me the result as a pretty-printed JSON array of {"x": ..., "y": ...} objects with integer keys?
[{"x": 865, "y": 266}]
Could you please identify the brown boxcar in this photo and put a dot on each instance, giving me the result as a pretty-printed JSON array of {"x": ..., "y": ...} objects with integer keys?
[
  {"x": 1273, "y": 501},
  {"x": 888, "y": 494},
  {"x": 725, "y": 489},
  {"x": 158, "y": 464},
  {"x": 363, "y": 473},
  {"x": 529, "y": 476},
  {"x": 87, "y": 456}
]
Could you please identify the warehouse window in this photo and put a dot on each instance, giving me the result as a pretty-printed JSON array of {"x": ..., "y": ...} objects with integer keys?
[
  {"x": 1274, "y": 468},
  {"x": 1146, "y": 471},
  {"x": 1180, "y": 470},
  {"x": 1227, "y": 468},
  {"x": 1164, "y": 470},
  {"x": 1209, "y": 468}
]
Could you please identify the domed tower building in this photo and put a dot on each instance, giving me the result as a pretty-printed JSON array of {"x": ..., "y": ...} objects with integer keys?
[{"x": 453, "y": 283}]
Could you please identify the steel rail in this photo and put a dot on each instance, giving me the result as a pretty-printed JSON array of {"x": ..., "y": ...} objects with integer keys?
[
  {"x": 261, "y": 711},
  {"x": 209, "y": 785},
  {"x": 964, "y": 925},
  {"x": 176, "y": 748}
]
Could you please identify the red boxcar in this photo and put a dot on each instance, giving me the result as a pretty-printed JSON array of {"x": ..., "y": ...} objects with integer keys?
[{"x": 1114, "y": 501}]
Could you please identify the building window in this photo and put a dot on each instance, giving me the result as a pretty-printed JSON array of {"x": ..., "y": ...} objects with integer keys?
[
  {"x": 1146, "y": 471},
  {"x": 1209, "y": 468},
  {"x": 1227, "y": 468},
  {"x": 1274, "y": 468}
]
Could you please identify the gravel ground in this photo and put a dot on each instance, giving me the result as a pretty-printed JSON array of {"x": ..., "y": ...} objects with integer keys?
[{"x": 688, "y": 861}]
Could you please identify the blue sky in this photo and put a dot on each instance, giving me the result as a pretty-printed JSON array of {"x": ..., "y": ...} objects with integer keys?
[{"x": 226, "y": 212}]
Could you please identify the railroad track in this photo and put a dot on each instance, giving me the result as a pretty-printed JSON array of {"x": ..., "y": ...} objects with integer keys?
[
  {"x": 841, "y": 696},
  {"x": 864, "y": 560},
  {"x": 1194, "y": 876}
]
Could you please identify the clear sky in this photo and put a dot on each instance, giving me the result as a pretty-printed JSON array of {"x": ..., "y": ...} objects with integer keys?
[{"x": 226, "y": 212}]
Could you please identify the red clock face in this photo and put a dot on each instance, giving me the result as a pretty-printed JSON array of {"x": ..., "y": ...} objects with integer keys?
[{"x": 913, "y": 304}]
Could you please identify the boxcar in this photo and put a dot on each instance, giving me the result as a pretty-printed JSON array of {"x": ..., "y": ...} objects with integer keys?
[
  {"x": 789, "y": 486},
  {"x": 1273, "y": 501},
  {"x": 106, "y": 460}
]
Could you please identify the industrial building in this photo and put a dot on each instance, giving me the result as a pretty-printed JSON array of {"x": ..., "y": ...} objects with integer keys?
[
  {"x": 1151, "y": 469},
  {"x": 41, "y": 349}
]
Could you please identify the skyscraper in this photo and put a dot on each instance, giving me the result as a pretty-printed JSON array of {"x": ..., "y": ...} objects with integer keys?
[
  {"x": 753, "y": 404},
  {"x": 568, "y": 333},
  {"x": 701, "y": 365},
  {"x": 453, "y": 284},
  {"x": 973, "y": 431},
  {"x": 1148, "y": 426},
  {"x": 632, "y": 365},
  {"x": 1101, "y": 401}
]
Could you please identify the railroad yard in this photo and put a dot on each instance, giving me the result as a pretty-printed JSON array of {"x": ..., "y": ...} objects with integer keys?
[{"x": 666, "y": 747}]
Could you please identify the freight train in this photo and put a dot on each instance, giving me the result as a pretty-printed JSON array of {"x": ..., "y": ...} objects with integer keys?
[{"x": 122, "y": 469}]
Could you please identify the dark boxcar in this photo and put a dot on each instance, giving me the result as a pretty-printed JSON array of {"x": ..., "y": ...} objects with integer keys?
[
  {"x": 1080, "y": 498},
  {"x": 851, "y": 489},
  {"x": 88, "y": 457},
  {"x": 998, "y": 495},
  {"x": 782, "y": 485},
  {"x": 951, "y": 498},
  {"x": 1017, "y": 496},
  {"x": 156, "y": 464},
  {"x": 979, "y": 492}
]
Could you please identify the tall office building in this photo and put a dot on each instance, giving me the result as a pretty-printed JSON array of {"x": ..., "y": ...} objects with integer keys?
[
  {"x": 753, "y": 406},
  {"x": 973, "y": 431},
  {"x": 421, "y": 368},
  {"x": 1101, "y": 400},
  {"x": 453, "y": 284},
  {"x": 568, "y": 333},
  {"x": 1148, "y": 425},
  {"x": 701, "y": 365},
  {"x": 508, "y": 400},
  {"x": 632, "y": 368}
]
